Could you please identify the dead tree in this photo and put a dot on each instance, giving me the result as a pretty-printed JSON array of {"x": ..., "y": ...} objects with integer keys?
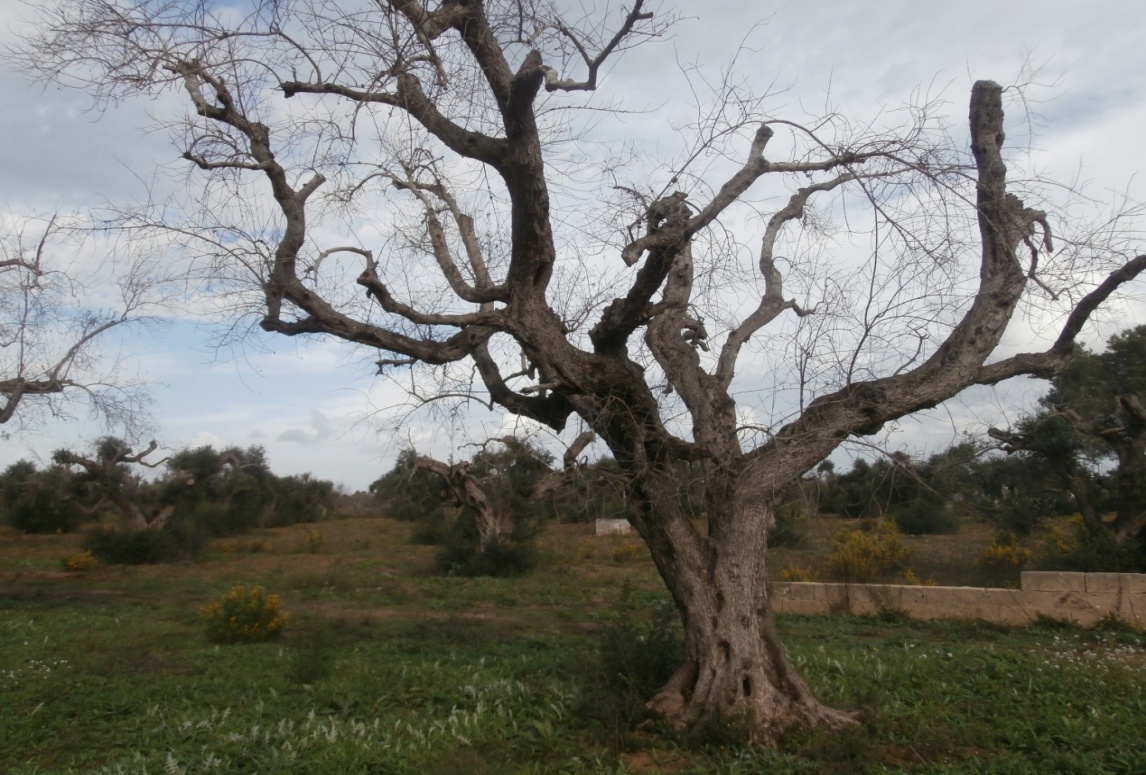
[
  {"x": 432, "y": 121},
  {"x": 50, "y": 329}
]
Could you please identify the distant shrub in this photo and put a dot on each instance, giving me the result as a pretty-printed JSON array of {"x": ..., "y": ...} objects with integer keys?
[
  {"x": 867, "y": 557},
  {"x": 796, "y": 573},
  {"x": 38, "y": 505},
  {"x": 460, "y": 556},
  {"x": 301, "y": 500},
  {"x": 926, "y": 516},
  {"x": 431, "y": 530},
  {"x": 244, "y": 615},
  {"x": 81, "y": 561},
  {"x": 625, "y": 552},
  {"x": 131, "y": 547},
  {"x": 176, "y": 542},
  {"x": 216, "y": 518},
  {"x": 1015, "y": 511},
  {"x": 789, "y": 528},
  {"x": 1083, "y": 551},
  {"x": 1006, "y": 553}
]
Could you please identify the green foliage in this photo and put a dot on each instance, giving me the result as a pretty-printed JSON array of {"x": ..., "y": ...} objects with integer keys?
[
  {"x": 1089, "y": 551},
  {"x": 925, "y": 498},
  {"x": 870, "y": 489},
  {"x": 789, "y": 529},
  {"x": 637, "y": 649},
  {"x": 120, "y": 680},
  {"x": 1090, "y": 431},
  {"x": 460, "y": 555},
  {"x": 508, "y": 473},
  {"x": 39, "y": 501},
  {"x": 300, "y": 499},
  {"x": 204, "y": 493},
  {"x": 245, "y": 615},
  {"x": 925, "y": 514},
  {"x": 409, "y": 493},
  {"x": 224, "y": 493},
  {"x": 175, "y": 542}
]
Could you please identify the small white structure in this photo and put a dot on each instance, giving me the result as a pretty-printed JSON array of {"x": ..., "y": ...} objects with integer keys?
[{"x": 613, "y": 527}]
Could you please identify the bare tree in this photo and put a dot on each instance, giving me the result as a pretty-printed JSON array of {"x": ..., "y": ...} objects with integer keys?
[
  {"x": 51, "y": 324},
  {"x": 428, "y": 197}
]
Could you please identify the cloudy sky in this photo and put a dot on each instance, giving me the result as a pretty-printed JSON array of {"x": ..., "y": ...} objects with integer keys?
[{"x": 318, "y": 408}]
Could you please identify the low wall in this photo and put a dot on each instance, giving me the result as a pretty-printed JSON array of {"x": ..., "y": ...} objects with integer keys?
[
  {"x": 613, "y": 527},
  {"x": 1081, "y": 597}
]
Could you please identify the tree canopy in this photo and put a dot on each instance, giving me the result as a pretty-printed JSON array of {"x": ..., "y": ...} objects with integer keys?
[{"x": 1090, "y": 429}]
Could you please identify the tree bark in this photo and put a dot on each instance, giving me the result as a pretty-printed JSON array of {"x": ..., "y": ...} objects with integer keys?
[
  {"x": 467, "y": 492},
  {"x": 735, "y": 681}
]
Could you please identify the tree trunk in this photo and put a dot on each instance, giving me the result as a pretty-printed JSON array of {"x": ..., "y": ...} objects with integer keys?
[
  {"x": 467, "y": 492},
  {"x": 735, "y": 682}
]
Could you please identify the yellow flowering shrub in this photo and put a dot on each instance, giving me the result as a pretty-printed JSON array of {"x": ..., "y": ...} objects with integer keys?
[
  {"x": 625, "y": 552},
  {"x": 867, "y": 557},
  {"x": 81, "y": 561},
  {"x": 911, "y": 580},
  {"x": 245, "y": 615},
  {"x": 1006, "y": 553},
  {"x": 796, "y": 573},
  {"x": 1059, "y": 540}
]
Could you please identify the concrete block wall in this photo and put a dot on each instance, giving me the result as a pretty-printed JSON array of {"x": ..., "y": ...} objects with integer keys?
[{"x": 1082, "y": 597}]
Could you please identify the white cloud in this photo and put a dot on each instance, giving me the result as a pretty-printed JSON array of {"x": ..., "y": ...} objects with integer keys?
[
  {"x": 322, "y": 430},
  {"x": 316, "y": 406}
]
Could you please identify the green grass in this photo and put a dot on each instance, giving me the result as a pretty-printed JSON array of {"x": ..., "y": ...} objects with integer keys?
[{"x": 387, "y": 669}]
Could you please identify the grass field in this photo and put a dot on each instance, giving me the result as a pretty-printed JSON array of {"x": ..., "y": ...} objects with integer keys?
[{"x": 385, "y": 668}]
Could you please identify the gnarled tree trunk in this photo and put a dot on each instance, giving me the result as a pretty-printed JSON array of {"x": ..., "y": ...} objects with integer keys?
[
  {"x": 735, "y": 681},
  {"x": 464, "y": 487}
]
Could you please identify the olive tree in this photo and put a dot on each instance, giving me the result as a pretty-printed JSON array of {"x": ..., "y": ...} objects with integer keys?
[
  {"x": 413, "y": 176},
  {"x": 1090, "y": 430}
]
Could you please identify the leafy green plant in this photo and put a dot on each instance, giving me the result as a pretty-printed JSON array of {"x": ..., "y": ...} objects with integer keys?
[
  {"x": 245, "y": 615},
  {"x": 174, "y": 542},
  {"x": 636, "y": 652},
  {"x": 789, "y": 530},
  {"x": 461, "y": 556},
  {"x": 39, "y": 501},
  {"x": 1086, "y": 551},
  {"x": 926, "y": 515}
]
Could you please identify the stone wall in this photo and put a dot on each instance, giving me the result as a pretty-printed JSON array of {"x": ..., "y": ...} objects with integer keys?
[
  {"x": 613, "y": 527},
  {"x": 1082, "y": 597}
]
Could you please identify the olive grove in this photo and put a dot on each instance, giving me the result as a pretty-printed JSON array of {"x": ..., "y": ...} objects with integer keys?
[{"x": 424, "y": 179}]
